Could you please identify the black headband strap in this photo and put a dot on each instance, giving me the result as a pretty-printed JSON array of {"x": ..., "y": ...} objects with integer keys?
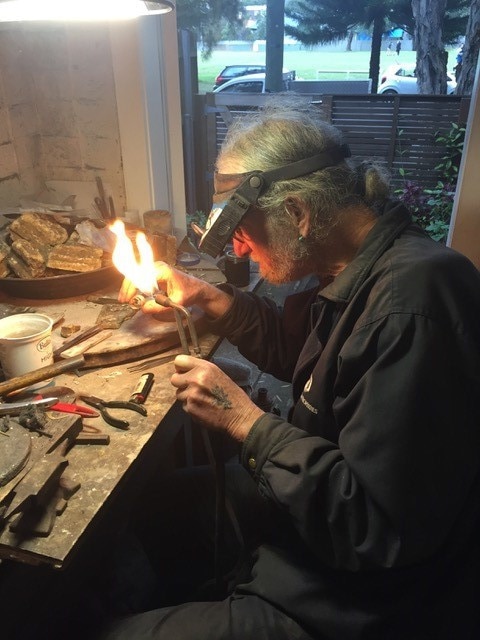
[
  {"x": 302, "y": 167},
  {"x": 327, "y": 158},
  {"x": 255, "y": 183}
]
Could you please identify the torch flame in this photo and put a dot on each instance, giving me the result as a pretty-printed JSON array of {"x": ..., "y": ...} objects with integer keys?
[{"x": 140, "y": 272}]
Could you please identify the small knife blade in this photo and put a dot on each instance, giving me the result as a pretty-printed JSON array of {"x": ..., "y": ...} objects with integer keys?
[{"x": 14, "y": 408}]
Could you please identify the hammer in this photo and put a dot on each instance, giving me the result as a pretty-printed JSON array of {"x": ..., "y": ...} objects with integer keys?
[{"x": 44, "y": 373}]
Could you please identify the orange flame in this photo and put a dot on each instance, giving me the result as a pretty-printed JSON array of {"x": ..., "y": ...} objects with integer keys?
[{"x": 140, "y": 272}]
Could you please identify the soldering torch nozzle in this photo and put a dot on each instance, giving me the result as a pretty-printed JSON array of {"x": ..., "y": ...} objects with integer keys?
[{"x": 139, "y": 300}]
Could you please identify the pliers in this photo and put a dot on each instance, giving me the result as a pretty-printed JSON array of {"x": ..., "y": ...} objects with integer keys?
[{"x": 104, "y": 405}]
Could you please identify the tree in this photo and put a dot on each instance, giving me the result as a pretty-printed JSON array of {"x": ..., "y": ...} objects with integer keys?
[
  {"x": 325, "y": 21},
  {"x": 471, "y": 50},
  {"x": 431, "y": 54},
  {"x": 274, "y": 44},
  {"x": 454, "y": 19},
  {"x": 351, "y": 33},
  {"x": 261, "y": 32},
  {"x": 206, "y": 19}
]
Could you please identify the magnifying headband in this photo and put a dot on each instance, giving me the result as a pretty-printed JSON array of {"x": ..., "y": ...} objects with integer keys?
[{"x": 225, "y": 216}]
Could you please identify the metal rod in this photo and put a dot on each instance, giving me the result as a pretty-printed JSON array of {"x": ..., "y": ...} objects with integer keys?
[
  {"x": 160, "y": 298},
  {"x": 153, "y": 362},
  {"x": 165, "y": 301},
  {"x": 181, "y": 331}
]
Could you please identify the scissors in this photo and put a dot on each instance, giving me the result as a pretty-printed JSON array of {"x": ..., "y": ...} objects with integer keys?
[
  {"x": 65, "y": 403},
  {"x": 104, "y": 405},
  {"x": 77, "y": 409}
]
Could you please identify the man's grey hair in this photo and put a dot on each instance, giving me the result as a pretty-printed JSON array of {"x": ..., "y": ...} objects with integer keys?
[{"x": 290, "y": 128}]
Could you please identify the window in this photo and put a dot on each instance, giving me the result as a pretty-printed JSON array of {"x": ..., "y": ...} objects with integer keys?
[{"x": 249, "y": 86}]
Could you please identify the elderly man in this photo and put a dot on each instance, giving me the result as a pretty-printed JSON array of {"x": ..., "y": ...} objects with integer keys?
[{"x": 372, "y": 485}]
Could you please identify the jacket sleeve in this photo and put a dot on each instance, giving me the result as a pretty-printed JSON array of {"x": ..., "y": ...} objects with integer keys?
[
  {"x": 397, "y": 482},
  {"x": 269, "y": 336}
]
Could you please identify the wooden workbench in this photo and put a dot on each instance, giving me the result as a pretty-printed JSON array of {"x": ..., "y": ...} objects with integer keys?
[{"x": 101, "y": 469}]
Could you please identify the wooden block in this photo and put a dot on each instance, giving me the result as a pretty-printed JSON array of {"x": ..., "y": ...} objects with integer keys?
[
  {"x": 92, "y": 438},
  {"x": 31, "y": 254},
  {"x": 33, "y": 226},
  {"x": 164, "y": 247},
  {"x": 75, "y": 257},
  {"x": 20, "y": 267},
  {"x": 4, "y": 250},
  {"x": 4, "y": 269}
]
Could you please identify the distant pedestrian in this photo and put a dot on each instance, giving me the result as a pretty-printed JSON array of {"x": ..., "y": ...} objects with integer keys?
[
  {"x": 389, "y": 49},
  {"x": 398, "y": 47}
]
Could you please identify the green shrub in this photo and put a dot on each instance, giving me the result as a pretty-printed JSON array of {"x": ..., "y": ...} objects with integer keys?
[{"x": 432, "y": 208}]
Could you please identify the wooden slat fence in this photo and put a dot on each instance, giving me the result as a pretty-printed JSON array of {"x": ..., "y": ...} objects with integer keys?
[{"x": 396, "y": 131}]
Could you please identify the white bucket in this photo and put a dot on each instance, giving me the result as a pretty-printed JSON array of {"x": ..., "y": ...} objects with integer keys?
[{"x": 25, "y": 344}]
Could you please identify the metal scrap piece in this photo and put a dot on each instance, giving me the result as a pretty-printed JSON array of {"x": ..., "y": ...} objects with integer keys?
[
  {"x": 34, "y": 419},
  {"x": 14, "y": 450},
  {"x": 68, "y": 329},
  {"x": 113, "y": 315}
]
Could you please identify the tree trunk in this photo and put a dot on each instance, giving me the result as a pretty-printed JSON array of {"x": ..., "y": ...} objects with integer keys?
[
  {"x": 471, "y": 51},
  {"x": 431, "y": 54},
  {"x": 377, "y": 34},
  {"x": 351, "y": 33},
  {"x": 274, "y": 45}
]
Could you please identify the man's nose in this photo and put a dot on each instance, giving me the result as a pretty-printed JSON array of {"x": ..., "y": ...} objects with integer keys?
[{"x": 241, "y": 248}]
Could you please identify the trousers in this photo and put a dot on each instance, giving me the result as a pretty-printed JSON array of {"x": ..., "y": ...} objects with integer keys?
[
  {"x": 174, "y": 595},
  {"x": 234, "y": 618}
]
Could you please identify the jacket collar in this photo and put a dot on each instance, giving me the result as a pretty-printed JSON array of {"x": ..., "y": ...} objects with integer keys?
[{"x": 394, "y": 219}]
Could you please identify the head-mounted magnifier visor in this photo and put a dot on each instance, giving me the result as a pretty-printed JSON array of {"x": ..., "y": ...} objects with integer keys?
[{"x": 225, "y": 216}]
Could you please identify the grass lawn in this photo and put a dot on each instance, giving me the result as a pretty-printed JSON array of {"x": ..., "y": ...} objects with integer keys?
[{"x": 305, "y": 63}]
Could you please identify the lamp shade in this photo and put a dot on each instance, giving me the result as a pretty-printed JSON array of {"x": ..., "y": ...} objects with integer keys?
[{"x": 80, "y": 10}]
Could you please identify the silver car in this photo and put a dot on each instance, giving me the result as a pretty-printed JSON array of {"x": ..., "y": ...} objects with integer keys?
[
  {"x": 252, "y": 83},
  {"x": 401, "y": 78}
]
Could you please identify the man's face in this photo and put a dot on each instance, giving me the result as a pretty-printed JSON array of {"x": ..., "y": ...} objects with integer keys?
[
  {"x": 274, "y": 257},
  {"x": 252, "y": 237}
]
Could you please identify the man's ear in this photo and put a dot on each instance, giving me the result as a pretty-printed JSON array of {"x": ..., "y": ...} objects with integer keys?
[{"x": 300, "y": 215}]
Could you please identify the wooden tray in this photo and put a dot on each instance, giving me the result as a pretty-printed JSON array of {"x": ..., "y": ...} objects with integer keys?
[{"x": 68, "y": 285}]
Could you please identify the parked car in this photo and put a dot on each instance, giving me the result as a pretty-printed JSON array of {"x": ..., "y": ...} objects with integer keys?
[
  {"x": 235, "y": 70},
  {"x": 402, "y": 78},
  {"x": 252, "y": 83}
]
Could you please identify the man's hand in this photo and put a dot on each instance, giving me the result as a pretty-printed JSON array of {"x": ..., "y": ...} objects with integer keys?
[
  {"x": 179, "y": 287},
  {"x": 183, "y": 289},
  {"x": 212, "y": 398}
]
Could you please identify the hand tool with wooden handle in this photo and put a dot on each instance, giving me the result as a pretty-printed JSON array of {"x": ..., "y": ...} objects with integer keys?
[{"x": 44, "y": 373}]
